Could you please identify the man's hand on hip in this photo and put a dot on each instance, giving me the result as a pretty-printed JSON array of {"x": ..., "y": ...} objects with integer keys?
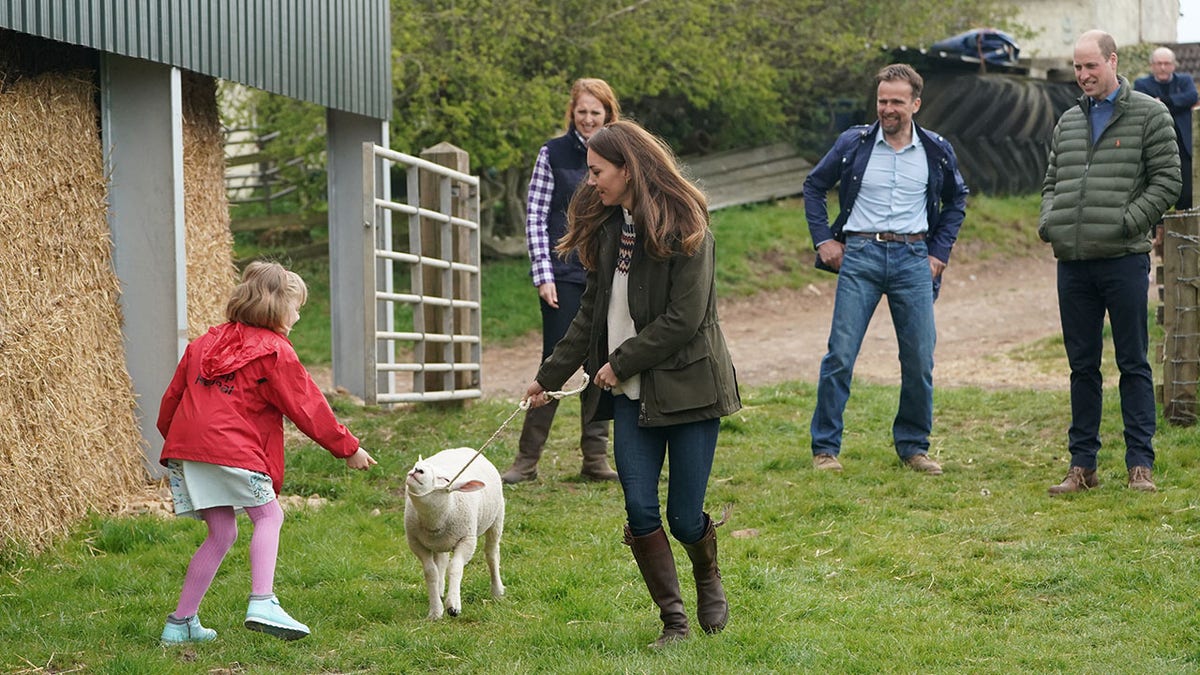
[
  {"x": 831, "y": 252},
  {"x": 936, "y": 267}
]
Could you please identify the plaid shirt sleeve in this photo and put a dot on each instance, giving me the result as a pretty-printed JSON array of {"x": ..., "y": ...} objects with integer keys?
[{"x": 537, "y": 219}]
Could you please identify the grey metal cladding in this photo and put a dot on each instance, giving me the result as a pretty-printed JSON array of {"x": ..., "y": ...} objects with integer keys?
[{"x": 336, "y": 53}]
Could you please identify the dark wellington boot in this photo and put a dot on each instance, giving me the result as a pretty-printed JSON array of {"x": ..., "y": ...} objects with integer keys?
[
  {"x": 529, "y": 448},
  {"x": 593, "y": 440}
]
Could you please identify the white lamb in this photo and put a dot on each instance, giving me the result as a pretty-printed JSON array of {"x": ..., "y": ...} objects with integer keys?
[{"x": 443, "y": 522}]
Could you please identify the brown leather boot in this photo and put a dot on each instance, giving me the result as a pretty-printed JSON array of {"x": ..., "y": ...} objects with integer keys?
[
  {"x": 653, "y": 555},
  {"x": 1142, "y": 478},
  {"x": 533, "y": 440},
  {"x": 1078, "y": 479},
  {"x": 593, "y": 441},
  {"x": 711, "y": 608}
]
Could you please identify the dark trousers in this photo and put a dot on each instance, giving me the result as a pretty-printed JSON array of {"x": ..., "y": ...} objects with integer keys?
[
  {"x": 556, "y": 321},
  {"x": 1087, "y": 290}
]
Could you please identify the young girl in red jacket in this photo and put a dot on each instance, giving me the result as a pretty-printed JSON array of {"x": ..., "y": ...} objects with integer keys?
[{"x": 222, "y": 418}]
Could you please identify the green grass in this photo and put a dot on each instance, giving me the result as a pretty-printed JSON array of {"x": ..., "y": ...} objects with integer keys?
[{"x": 874, "y": 570}]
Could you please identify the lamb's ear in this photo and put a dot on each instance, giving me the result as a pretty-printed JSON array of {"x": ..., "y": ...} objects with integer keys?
[{"x": 467, "y": 486}]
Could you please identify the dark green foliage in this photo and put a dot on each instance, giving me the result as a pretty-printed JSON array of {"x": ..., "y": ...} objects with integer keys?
[{"x": 493, "y": 78}]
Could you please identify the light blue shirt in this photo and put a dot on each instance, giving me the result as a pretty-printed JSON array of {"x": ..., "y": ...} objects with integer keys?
[
  {"x": 1100, "y": 112},
  {"x": 892, "y": 196}
]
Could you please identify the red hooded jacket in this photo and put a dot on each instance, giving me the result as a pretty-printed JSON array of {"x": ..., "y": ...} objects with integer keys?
[{"x": 227, "y": 400}]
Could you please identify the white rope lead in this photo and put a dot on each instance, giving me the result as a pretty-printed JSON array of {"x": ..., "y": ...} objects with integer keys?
[
  {"x": 521, "y": 407},
  {"x": 557, "y": 395}
]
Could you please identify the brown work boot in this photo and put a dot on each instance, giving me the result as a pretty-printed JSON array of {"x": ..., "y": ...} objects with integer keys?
[
  {"x": 1142, "y": 478},
  {"x": 826, "y": 462},
  {"x": 922, "y": 464},
  {"x": 1078, "y": 479}
]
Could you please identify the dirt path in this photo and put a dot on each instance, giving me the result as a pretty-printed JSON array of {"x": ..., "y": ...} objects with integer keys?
[{"x": 985, "y": 312}]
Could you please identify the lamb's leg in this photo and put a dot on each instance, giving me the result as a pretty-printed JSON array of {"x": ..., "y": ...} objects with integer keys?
[
  {"x": 433, "y": 580},
  {"x": 441, "y": 560},
  {"x": 491, "y": 540},
  {"x": 463, "y": 552}
]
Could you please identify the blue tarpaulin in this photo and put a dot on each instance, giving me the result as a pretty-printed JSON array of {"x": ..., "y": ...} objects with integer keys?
[{"x": 984, "y": 44}]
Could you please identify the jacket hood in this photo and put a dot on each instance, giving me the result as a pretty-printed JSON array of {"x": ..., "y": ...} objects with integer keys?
[{"x": 233, "y": 345}]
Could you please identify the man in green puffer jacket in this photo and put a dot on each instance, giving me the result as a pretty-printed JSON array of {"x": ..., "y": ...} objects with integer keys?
[{"x": 1113, "y": 172}]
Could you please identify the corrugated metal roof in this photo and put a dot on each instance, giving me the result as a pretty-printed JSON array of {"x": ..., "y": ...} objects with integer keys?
[{"x": 336, "y": 53}]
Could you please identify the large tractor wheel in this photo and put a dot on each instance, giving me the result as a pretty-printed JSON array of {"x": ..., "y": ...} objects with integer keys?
[{"x": 1000, "y": 126}]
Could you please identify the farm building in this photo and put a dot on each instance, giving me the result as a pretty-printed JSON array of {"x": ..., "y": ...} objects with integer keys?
[
  {"x": 113, "y": 210},
  {"x": 1058, "y": 23}
]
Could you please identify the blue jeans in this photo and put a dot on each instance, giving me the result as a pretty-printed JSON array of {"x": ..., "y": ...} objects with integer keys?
[
  {"x": 639, "y": 453},
  {"x": 1087, "y": 289},
  {"x": 871, "y": 269}
]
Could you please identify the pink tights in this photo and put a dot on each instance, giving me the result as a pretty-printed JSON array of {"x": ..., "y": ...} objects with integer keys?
[{"x": 222, "y": 533}]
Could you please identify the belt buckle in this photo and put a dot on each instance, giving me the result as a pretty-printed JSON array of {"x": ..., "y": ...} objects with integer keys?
[{"x": 879, "y": 237}]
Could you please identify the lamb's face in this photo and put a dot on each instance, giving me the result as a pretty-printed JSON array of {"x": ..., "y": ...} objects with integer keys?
[{"x": 422, "y": 479}]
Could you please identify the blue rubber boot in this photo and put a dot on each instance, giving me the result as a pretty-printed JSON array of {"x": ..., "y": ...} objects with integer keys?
[
  {"x": 266, "y": 616},
  {"x": 179, "y": 631}
]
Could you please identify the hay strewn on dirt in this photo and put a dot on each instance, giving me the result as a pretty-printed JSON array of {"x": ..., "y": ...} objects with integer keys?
[
  {"x": 69, "y": 441},
  {"x": 211, "y": 273}
]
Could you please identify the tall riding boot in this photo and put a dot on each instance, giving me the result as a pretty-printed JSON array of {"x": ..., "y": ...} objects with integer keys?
[
  {"x": 593, "y": 440},
  {"x": 711, "y": 608},
  {"x": 533, "y": 440},
  {"x": 653, "y": 555}
]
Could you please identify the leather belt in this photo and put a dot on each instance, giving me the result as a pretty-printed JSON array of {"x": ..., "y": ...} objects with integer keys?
[{"x": 889, "y": 236}]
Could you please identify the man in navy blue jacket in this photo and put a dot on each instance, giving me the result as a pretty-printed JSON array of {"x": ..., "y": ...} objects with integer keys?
[
  {"x": 1177, "y": 91},
  {"x": 902, "y": 202}
]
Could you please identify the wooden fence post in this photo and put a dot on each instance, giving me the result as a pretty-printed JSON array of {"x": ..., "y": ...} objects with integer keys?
[
  {"x": 1180, "y": 317},
  {"x": 444, "y": 241}
]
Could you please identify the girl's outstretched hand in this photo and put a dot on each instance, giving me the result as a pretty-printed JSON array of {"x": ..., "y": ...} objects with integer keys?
[{"x": 361, "y": 460}]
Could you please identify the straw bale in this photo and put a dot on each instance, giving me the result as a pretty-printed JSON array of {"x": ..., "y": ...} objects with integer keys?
[
  {"x": 69, "y": 438},
  {"x": 211, "y": 273}
]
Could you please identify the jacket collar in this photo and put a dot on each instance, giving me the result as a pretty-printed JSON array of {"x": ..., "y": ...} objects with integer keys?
[
  {"x": 927, "y": 138},
  {"x": 1119, "y": 102}
]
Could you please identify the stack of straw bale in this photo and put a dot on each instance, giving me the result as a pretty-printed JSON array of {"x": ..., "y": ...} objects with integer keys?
[
  {"x": 211, "y": 273},
  {"x": 69, "y": 440},
  {"x": 69, "y": 436}
]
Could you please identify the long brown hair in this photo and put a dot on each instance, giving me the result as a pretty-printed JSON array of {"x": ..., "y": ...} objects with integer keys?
[{"x": 669, "y": 212}]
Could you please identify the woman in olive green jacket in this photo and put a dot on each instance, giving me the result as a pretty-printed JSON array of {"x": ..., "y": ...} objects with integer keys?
[{"x": 647, "y": 334}]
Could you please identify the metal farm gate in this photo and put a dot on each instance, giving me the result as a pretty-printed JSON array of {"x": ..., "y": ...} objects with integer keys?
[{"x": 422, "y": 266}]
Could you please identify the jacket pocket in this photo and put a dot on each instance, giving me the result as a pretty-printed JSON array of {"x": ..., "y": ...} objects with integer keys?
[{"x": 686, "y": 386}]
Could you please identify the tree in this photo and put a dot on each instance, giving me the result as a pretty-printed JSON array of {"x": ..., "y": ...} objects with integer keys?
[{"x": 493, "y": 77}]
